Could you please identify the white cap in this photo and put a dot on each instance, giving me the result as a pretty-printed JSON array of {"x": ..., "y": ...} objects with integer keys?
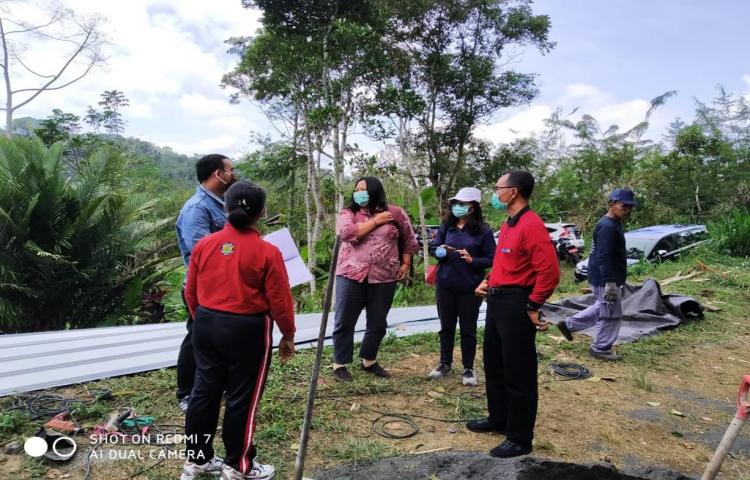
[{"x": 468, "y": 194}]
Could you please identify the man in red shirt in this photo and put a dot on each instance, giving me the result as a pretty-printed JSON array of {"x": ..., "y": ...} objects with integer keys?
[{"x": 524, "y": 274}]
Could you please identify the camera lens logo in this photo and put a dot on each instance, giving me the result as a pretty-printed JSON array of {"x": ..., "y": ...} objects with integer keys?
[{"x": 62, "y": 447}]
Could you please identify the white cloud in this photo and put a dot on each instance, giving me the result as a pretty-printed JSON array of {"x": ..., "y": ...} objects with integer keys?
[
  {"x": 141, "y": 111},
  {"x": 168, "y": 57},
  {"x": 234, "y": 124},
  {"x": 576, "y": 91},
  {"x": 606, "y": 108},
  {"x": 225, "y": 143},
  {"x": 200, "y": 104},
  {"x": 520, "y": 125}
]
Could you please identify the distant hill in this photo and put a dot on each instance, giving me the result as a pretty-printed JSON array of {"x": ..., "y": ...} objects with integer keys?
[
  {"x": 170, "y": 163},
  {"x": 24, "y": 126}
]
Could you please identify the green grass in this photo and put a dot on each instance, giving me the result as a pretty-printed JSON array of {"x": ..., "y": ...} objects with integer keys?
[
  {"x": 464, "y": 407},
  {"x": 641, "y": 380},
  {"x": 357, "y": 451}
]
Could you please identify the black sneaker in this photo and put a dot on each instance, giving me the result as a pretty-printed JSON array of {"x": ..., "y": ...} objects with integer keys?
[
  {"x": 509, "y": 449},
  {"x": 376, "y": 370},
  {"x": 610, "y": 356},
  {"x": 483, "y": 425},
  {"x": 341, "y": 374},
  {"x": 184, "y": 402},
  {"x": 563, "y": 327},
  {"x": 440, "y": 371}
]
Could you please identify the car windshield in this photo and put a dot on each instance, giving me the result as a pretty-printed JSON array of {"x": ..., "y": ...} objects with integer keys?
[{"x": 638, "y": 248}]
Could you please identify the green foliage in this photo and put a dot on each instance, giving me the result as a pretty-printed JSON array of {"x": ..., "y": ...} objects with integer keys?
[
  {"x": 71, "y": 245},
  {"x": 58, "y": 127},
  {"x": 110, "y": 117},
  {"x": 12, "y": 423},
  {"x": 448, "y": 75},
  {"x": 730, "y": 234}
]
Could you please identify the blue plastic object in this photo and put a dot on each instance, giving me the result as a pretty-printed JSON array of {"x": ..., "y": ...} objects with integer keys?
[{"x": 440, "y": 252}]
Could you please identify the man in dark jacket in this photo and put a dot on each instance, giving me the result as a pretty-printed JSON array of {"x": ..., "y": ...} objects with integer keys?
[{"x": 607, "y": 270}]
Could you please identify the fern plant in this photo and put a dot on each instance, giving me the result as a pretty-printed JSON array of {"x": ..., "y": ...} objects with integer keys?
[{"x": 72, "y": 241}]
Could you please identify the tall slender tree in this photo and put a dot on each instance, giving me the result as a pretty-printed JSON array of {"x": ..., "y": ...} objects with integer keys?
[{"x": 82, "y": 36}]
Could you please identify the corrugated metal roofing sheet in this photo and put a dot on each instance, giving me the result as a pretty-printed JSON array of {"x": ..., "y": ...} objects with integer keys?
[{"x": 33, "y": 361}]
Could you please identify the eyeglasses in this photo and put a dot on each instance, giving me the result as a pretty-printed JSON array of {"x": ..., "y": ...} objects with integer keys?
[
  {"x": 233, "y": 173},
  {"x": 497, "y": 189}
]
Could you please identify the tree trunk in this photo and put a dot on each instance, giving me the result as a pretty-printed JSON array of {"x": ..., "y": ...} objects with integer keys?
[
  {"x": 314, "y": 224},
  {"x": 309, "y": 227},
  {"x": 697, "y": 198},
  {"x": 8, "y": 93},
  {"x": 337, "y": 166},
  {"x": 339, "y": 148},
  {"x": 407, "y": 158}
]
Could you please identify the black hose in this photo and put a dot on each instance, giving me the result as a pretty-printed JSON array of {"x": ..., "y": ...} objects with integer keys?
[
  {"x": 570, "y": 371},
  {"x": 381, "y": 424}
]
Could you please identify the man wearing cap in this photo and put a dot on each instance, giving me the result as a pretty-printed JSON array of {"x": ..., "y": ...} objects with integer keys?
[
  {"x": 524, "y": 274},
  {"x": 607, "y": 270}
]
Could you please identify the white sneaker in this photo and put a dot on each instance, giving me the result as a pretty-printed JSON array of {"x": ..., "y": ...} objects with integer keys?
[
  {"x": 192, "y": 470},
  {"x": 469, "y": 379},
  {"x": 440, "y": 371},
  {"x": 258, "y": 472}
]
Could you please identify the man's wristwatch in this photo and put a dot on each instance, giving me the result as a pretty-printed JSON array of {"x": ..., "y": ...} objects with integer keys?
[{"x": 532, "y": 306}]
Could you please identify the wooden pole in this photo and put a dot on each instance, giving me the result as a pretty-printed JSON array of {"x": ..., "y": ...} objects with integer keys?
[{"x": 299, "y": 465}]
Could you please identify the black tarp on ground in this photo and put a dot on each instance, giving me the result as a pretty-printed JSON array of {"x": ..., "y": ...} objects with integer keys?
[{"x": 645, "y": 310}]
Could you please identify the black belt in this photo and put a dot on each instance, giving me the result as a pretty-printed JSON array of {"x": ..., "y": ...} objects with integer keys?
[{"x": 509, "y": 290}]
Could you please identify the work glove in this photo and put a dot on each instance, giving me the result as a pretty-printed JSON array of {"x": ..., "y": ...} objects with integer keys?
[{"x": 611, "y": 292}]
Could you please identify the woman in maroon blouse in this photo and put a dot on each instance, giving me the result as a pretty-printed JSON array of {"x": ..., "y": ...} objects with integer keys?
[{"x": 376, "y": 250}]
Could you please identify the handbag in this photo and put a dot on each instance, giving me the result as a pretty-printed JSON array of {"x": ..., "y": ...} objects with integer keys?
[{"x": 431, "y": 278}]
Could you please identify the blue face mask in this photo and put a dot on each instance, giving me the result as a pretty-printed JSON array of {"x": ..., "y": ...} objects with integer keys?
[
  {"x": 459, "y": 210},
  {"x": 361, "y": 198},
  {"x": 497, "y": 204}
]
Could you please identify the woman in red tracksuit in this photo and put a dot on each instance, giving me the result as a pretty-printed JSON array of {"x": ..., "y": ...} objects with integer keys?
[{"x": 237, "y": 286}]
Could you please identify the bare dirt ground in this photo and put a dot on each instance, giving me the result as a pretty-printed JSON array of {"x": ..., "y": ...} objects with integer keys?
[{"x": 676, "y": 424}]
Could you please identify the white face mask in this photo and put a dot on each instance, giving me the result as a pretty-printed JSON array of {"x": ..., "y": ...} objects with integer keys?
[{"x": 220, "y": 179}]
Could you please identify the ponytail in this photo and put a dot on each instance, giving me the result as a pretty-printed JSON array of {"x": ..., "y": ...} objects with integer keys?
[
  {"x": 244, "y": 202},
  {"x": 239, "y": 218}
]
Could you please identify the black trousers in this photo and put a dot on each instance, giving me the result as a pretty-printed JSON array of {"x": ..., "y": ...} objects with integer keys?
[
  {"x": 186, "y": 359},
  {"x": 351, "y": 298},
  {"x": 510, "y": 366},
  {"x": 232, "y": 353},
  {"x": 457, "y": 308}
]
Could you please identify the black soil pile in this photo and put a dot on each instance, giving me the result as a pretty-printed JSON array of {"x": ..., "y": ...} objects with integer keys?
[{"x": 458, "y": 465}]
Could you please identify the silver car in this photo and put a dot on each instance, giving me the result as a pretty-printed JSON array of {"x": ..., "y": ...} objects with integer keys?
[{"x": 657, "y": 243}]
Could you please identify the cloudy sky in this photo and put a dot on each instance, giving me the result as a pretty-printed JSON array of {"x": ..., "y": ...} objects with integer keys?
[{"x": 611, "y": 58}]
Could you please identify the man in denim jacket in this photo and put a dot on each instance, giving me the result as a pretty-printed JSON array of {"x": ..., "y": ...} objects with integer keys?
[{"x": 201, "y": 215}]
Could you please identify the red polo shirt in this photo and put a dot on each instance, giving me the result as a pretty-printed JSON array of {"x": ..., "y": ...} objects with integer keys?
[
  {"x": 238, "y": 272},
  {"x": 525, "y": 257}
]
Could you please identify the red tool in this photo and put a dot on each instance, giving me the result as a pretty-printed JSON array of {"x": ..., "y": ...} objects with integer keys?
[
  {"x": 62, "y": 423},
  {"x": 743, "y": 412}
]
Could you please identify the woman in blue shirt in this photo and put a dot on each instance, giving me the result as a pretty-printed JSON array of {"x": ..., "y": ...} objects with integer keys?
[{"x": 464, "y": 247}]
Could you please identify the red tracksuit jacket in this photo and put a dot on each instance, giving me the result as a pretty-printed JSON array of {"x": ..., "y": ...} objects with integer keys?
[{"x": 238, "y": 272}]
